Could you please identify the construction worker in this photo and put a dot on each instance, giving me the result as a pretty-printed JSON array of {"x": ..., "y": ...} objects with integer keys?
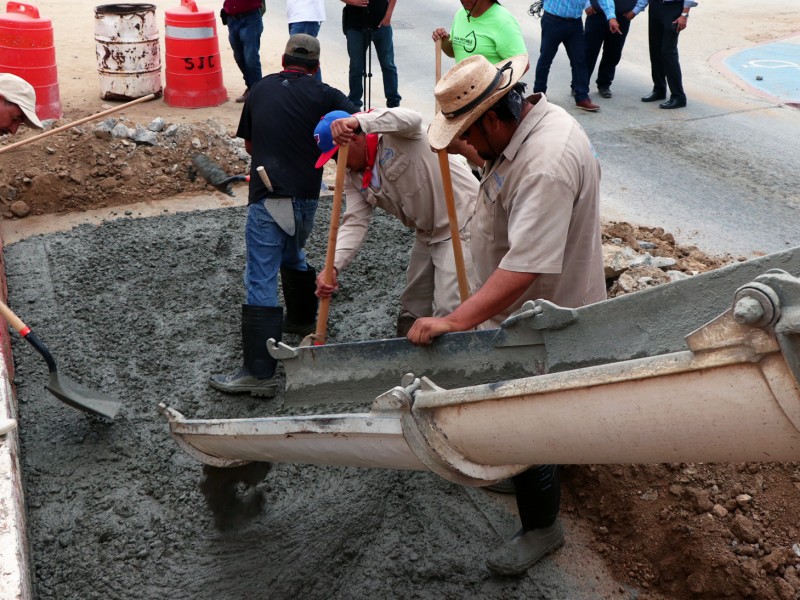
[
  {"x": 277, "y": 125},
  {"x": 391, "y": 166},
  {"x": 535, "y": 234},
  {"x": 17, "y": 104}
]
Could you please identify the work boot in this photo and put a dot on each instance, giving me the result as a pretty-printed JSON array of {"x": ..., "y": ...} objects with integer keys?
[
  {"x": 525, "y": 549},
  {"x": 301, "y": 302},
  {"x": 259, "y": 323},
  {"x": 404, "y": 323}
]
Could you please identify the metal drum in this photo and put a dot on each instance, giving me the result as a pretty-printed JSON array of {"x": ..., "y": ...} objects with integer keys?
[{"x": 128, "y": 51}]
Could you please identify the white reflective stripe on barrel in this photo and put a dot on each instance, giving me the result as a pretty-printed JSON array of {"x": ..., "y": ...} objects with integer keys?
[{"x": 189, "y": 33}]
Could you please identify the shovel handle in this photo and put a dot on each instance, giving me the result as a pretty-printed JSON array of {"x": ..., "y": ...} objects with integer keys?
[
  {"x": 14, "y": 320},
  {"x": 36, "y": 138},
  {"x": 327, "y": 273},
  {"x": 452, "y": 217},
  {"x": 438, "y": 69}
]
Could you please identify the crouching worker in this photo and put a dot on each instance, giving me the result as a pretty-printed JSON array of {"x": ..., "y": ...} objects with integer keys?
[
  {"x": 535, "y": 234},
  {"x": 277, "y": 125},
  {"x": 391, "y": 166}
]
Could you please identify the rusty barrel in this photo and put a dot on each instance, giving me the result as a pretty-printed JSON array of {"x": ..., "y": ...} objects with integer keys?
[
  {"x": 27, "y": 51},
  {"x": 128, "y": 51}
]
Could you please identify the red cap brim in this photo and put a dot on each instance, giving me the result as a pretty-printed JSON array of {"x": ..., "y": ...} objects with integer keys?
[{"x": 326, "y": 156}]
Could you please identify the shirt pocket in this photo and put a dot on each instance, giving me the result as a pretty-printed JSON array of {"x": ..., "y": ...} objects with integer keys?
[{"x": 484, "y": 220}]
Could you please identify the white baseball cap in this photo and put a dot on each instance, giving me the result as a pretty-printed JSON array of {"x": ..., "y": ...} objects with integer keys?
[{"x": 18, "y": 91}]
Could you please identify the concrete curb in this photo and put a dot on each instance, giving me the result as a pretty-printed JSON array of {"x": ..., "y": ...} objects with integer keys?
[{"x": 15, "y": 581}]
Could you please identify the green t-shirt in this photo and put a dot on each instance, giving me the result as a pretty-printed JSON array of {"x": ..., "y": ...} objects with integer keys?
[{"x": 495, "y": 35}]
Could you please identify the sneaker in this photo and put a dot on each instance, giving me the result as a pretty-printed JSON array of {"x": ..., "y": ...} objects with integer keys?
[
  {"x": 244, "y": 96},
  {"x": 504, "y": 486},
  {"x": 604, "y": 92},
  {"x": 587, "y": 105},
  {"x": 525, "y": 549},
  {"x": 7, "y": 425},
  {"x": 244, "y": 383}
]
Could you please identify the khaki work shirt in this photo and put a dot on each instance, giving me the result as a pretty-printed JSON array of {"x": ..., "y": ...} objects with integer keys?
[
  {"x": 406, "y": 183},
  {"x": 539, "y": 212}
]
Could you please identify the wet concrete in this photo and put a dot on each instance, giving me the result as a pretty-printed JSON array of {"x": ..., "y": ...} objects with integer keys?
[{"x": 145, "y": 310}]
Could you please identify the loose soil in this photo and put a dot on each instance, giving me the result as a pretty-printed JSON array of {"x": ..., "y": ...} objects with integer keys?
[{"x": 148, "y": 308}]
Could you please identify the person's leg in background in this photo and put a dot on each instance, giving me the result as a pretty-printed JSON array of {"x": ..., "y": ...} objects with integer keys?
[
  {"x": 552, "y": 34},
  {"x": 575, "y": 45},
  {"x": 595, "y": 30},
  {"x": 357, "y": 51},
  {"x": 612, "y": 54},
  {"x": 416, "y": 300},
  {"x": 298, "y": 278},
  {"x": 382, "y": 39},
  {"x": 655, "y": 34},
  {"x": 309, "y": 28}
]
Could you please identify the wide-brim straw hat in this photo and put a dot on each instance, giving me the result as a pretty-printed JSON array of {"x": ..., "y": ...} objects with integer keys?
[{"x": 467, "y": 90}]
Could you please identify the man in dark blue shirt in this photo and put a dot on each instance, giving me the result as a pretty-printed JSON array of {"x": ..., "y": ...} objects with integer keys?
[{"x": 277, "y": 125}]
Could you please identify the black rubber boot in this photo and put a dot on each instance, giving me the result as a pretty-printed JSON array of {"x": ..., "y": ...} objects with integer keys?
[
  {"x": 259, "y": 323},
  {"x": 301, "y": 303}
]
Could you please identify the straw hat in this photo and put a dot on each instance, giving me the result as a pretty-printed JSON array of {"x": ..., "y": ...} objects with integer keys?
[{"x": 467, "y": 90}]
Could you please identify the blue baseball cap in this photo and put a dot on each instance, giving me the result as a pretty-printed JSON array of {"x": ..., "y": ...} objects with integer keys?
[{"x": 322, "y": 134}]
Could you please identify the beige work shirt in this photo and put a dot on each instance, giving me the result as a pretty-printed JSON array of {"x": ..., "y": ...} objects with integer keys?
[
  {"x": 406, "y": 183},
  {"x": 539, "y": 212}
]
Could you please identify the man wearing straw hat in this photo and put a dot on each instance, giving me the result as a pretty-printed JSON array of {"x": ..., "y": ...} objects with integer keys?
[
  {"x": 17, "y": 104},
  {"x": 535, "y": 234}
]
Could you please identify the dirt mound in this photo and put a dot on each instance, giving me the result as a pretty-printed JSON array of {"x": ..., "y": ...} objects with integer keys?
[{"x": 686, "y": 531}]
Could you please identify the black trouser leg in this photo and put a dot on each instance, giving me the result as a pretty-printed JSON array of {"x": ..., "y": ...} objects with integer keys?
[{"x": 538, "y": 492}]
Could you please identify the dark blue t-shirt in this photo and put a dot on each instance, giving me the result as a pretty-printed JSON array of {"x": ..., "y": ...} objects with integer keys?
[{"x": 279, "y": 118}]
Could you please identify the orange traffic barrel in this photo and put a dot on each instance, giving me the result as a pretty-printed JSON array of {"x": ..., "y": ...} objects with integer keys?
[
  {"x": 27, "y": 51},
  {"x": 128, "y": 51},
  {"x": 193, "y": 68}
]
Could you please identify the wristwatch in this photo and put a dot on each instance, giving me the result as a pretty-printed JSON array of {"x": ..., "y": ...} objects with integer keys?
[{"x": 686, "y": 15}]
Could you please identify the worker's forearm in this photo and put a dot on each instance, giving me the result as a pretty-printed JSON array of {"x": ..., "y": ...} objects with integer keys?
[{"x": 500, "y": 291}]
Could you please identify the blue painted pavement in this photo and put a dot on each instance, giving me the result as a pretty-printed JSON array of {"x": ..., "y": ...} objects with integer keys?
[{"x": 777, "y": 64}]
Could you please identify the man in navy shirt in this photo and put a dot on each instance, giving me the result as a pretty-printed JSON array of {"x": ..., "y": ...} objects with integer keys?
[{"x": 277, "y": 125}]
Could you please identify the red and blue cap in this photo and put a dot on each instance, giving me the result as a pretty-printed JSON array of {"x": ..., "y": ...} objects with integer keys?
[{"x": 324, "y": 138}]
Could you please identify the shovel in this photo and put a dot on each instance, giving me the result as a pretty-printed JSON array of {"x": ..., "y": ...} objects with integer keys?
[
  {"x": 318, "y": 337},
  {"x": 59, "y": 385}
]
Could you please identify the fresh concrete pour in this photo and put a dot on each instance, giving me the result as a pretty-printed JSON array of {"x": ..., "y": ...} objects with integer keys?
[{"x": 146, "y": 310}]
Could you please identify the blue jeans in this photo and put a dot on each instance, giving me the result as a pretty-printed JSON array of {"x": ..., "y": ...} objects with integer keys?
[
  {"x": 357, "y": 48},
  {"x": 244, "y": 34},
  {"x": 557, "y": 31},
  {"x": 269, "y": 248},
  {"x": 309, "y": 28}
]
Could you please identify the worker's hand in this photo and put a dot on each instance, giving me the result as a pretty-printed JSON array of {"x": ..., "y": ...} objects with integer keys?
[
  {"x": 326, "y": 290},
  {"x": 629, "y": 15},
  {"x": 386, "y": 21},
  {"x": 424, "y": 330},
  {"x": 344, "y": 130},
  {"x": 680, "y": 23},
  {"x": 613, "y": 26},
  {"x": 440, "y": 33},
  {"x": 590, "y": 11}
]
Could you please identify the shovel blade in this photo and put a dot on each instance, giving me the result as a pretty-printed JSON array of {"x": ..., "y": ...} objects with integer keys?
[{"x": 82, "y": 398}]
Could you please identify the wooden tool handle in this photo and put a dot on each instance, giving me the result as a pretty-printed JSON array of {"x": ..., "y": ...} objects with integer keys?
[
  {"x": 264, "y": 177},
  {"x": 438, "y": 69},
  {"x": 327, "y": 273},
  {"x": 13, "y": 320},
  {"x": 452, "y": 216},
  {"x": 41, "y": 136}
]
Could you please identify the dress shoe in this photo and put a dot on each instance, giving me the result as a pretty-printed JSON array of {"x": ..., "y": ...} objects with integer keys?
[
  {"x": 654, "y": 96},
  {"x": 604, "y": 92},
  {"x": 244, "y": 96},
  {"x": 587, "y": 105},
  {"x": 673, "y": 103}
]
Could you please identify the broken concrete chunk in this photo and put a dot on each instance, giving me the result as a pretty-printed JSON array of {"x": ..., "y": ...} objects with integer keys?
[
  {"x": 120, "y": 131},
  {"x": 144, "y": 136},
  {"x": 156, "y": 124}
]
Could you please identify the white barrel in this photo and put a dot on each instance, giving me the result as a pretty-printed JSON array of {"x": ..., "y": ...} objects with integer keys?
[{"x": 128, "y": 51}]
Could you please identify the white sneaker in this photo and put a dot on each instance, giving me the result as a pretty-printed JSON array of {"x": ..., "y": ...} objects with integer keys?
[{"x": 7, "y": 425}]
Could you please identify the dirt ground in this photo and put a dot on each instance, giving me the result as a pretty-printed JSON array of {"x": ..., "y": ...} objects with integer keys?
[{"x": 116, "y": 511}]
